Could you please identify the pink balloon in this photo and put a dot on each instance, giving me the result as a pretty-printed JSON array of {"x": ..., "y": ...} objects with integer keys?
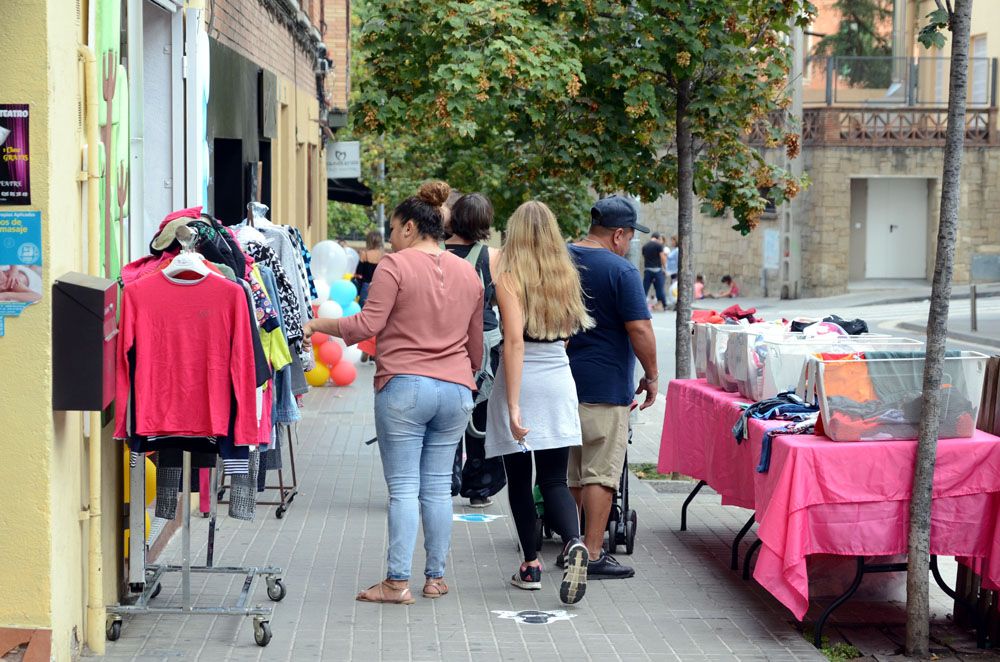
[
  {"x": 330, "y": 353},
  {"x": 319, "y": 338},
  {"x": 344, "y": 373}
]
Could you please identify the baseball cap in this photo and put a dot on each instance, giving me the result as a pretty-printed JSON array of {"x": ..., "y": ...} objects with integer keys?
[{"x": 616, "y": 212}]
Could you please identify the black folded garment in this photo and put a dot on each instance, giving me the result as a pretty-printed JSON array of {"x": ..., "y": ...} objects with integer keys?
[{"x": 853, "y": 327}]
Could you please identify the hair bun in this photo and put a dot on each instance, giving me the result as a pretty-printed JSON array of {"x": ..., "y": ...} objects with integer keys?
[{"x": 434, "y": 193}]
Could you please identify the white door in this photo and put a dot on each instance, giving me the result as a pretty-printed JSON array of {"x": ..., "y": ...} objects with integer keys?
[{"x": 896, "y": 234}]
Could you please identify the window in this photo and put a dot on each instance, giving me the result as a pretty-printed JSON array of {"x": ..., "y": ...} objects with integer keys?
[{"x": 979, "y": 86}]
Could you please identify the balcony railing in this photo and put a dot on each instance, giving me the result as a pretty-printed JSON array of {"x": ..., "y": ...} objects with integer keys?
[
  {"x": 894, "y": 81},
  {"x": 862, "y": 126}
]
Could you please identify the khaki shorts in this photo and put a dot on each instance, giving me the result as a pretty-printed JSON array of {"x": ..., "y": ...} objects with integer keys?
[{"x": 605, "y": 437}]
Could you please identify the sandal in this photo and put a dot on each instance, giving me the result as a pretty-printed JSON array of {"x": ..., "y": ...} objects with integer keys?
[
  {"x": 384, "y": 594},
  {"x": 435, "y": 587}
]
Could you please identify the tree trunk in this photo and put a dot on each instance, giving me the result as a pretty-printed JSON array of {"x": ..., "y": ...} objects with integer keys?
[
  {"x": 917, "y": 610},
  {"x": 685, "y": 224}
]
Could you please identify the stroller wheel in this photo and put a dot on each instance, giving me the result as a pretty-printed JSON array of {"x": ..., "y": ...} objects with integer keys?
[
  {"x": 612, "y": 534},
  {"x": 630, "y": 525},
  {"x": 539, "y": 526}
]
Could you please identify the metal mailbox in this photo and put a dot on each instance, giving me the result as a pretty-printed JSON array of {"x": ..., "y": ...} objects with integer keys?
[{"x": 84, "y": 331}]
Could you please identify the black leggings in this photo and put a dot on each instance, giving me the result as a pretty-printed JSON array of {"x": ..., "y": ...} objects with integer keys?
[{"x": 560, "y": 508}]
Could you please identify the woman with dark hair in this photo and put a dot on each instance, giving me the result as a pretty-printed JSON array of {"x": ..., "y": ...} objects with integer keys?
[
  {"x": 369, "y": 259},
  {"x": 425, "y": 308},
  {"x": 471, "y": 217}
]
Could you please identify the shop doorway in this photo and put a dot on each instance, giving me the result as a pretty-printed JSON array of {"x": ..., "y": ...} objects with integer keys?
[
  {"x": 889, "y": 221},
  {"x": 227, "y": 178},
  {"x": 159, "y": 145},
  {"x": 265, "y": 174}
]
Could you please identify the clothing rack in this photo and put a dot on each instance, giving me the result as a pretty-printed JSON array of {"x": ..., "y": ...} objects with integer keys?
[
  {"x": 286, "y": 493},
  {"x": 150, "y": 585}
]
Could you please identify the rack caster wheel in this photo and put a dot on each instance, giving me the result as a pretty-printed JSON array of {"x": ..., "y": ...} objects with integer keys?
[
  {"x": 156, "y": 591},
  {"x": 114, "y": 630},
  {"x": 276, "y": 589},
  {"x": 280, "y": 512},
  {"x": 261, "y": 632}
]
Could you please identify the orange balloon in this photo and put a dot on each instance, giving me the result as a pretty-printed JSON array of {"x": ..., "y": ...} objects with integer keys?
[
  {"x": 344, "y": 373},
  {"x": 330, "y": 353},
  {"x": 319, "y": 339}
]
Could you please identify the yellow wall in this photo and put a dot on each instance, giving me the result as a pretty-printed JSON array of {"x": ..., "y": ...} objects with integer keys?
[
  {"x": 42, "y": 454},
  {"x": 297, "y": 143}
]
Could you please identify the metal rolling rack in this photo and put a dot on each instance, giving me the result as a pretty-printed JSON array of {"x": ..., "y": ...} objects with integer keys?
[
  {"x": 145, "y": 579},
  {"x": 286, "y": 493}
]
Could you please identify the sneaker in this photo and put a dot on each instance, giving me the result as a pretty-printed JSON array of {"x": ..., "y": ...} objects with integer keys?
[
  {"x": 574, "y": 581},
  {"x": 608, "y": 567},
  {"x": 528, "y": 577},
  {"x": 480, "y": 502}
]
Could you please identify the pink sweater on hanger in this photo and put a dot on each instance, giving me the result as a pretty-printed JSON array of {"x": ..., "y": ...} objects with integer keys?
[
  {"x": 426, "y": 313},
  {"x": 193, "y": 353}
]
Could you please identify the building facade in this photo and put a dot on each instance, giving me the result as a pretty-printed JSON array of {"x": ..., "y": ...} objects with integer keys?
[
  {"x": 137, "y": 108},
  {"x": 872, "y": 146}
]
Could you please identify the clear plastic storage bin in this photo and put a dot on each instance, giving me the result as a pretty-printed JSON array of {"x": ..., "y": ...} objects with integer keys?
[
  {"x": 699, "y": 348},
  {"x": 775, "y": 365},
  {"x": 880, "y": 396}
]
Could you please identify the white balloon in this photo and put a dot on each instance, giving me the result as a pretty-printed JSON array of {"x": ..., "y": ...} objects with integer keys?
[
  {"x": 352, "y": 261},
  {"x": 330, "y": 310},
  {"x": 328, "y": 261},
  {"x": 352, "y": 354},
  {"x": 322, "y": 292}
]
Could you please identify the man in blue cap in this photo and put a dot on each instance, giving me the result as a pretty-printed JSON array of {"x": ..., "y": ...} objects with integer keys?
[{"x": 603, "y": 364}]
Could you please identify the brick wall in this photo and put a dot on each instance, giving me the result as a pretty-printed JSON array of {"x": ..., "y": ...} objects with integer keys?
[
  {"x": 338, "y": 49},
  {"x": 255, "y": 33}
]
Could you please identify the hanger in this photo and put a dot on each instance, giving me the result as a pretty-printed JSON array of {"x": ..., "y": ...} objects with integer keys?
[{"x": 188, "y": 260}]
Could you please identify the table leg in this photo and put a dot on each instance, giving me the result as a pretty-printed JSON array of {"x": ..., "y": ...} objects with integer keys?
[
  {"x": 971, "y": 607},
  {"x": 749, "y": 557},
  {"x": 863, "y": 569},
  {"x": 687, "y": 501},
  {"x": 734, "y": 562}
]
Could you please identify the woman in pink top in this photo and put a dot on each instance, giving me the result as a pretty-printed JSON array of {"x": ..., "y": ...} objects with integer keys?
[{"x": 425, "y": 308}]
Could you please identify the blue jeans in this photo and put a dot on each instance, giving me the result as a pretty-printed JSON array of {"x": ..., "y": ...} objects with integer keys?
[
  {"x": 657, "y": 279},
  {"x": 419, "y": 422}
]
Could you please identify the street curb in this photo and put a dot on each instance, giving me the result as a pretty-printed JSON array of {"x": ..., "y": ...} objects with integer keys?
[{"x": 954, "y": 335}]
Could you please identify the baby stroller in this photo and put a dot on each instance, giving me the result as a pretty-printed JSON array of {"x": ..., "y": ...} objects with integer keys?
[{"x": 622, "y": 520}]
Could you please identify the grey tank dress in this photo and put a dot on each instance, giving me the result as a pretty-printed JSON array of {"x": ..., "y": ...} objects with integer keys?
[{"x": 549, "y": 407}]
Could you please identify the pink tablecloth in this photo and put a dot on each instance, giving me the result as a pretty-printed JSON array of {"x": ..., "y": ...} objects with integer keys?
[
  {"x": 697, "y": 440},
  {"x": 825, "y": 497}
]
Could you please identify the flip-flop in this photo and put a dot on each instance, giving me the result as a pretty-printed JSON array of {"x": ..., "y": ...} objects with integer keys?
[{"x": 404, "y": 597}]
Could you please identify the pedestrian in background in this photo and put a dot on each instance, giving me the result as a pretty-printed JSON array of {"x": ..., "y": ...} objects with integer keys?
[
  {"x": 654, "y": 257},
  {"x": 368, "y": 261},
  {"x": 471, "y": 218},
  {"x": 533, "y": 413},
  {"x": 673, "y": 255},
  {"x": 603, "y": 363},
  {"x": 425, "y": 308},
  {"x": 730, "y": 289}
]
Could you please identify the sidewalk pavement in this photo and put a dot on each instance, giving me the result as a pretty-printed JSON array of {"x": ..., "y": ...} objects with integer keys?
[
  {"x": 683, "y": 604},
  {"x": 858, "y": 295}
]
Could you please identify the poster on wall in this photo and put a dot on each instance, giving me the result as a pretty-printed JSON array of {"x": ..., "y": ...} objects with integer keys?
[
  {"x": 20, "y": 262},
  {"x": 15, "y": 166}
]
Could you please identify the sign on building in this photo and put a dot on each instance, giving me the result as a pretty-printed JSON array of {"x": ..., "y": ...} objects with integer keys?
[
  {"x": 15, "y": 166},
  {"x": 343, "y": 160}
]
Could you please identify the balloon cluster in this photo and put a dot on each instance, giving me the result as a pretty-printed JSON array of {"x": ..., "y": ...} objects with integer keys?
[
  {"x": 331, "y": 265},
  {"x": 334, "y": 360}
]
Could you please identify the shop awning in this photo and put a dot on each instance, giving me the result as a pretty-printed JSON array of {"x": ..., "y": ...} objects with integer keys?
[{"x": 350, "y": 191}]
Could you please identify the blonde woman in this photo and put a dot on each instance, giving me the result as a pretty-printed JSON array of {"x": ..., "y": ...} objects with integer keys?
[{"x": 533, "y": 416}]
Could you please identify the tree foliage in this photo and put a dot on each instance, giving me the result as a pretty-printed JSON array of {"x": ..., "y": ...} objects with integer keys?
[
  {"x": 862, "y": 42},
  {"x": 344, "y": 220},
  {"x": 537, "y": 98}
]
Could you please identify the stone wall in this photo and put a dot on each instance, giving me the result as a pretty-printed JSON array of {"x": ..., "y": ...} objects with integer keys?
[{"x": 825, "y": 218}]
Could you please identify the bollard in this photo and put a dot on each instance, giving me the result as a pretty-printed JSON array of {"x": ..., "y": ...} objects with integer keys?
[{"x": 972, "y": 308}]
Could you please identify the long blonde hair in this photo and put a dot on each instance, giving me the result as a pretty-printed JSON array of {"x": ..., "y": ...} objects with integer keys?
[{"x": 542, "y": 275}]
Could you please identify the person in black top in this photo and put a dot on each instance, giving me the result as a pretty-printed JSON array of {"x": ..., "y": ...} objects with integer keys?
[
  {"x": 470, "y": 219},
  {"x": 654, "y": 257},
  {"x": 369, "y": 259}
]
